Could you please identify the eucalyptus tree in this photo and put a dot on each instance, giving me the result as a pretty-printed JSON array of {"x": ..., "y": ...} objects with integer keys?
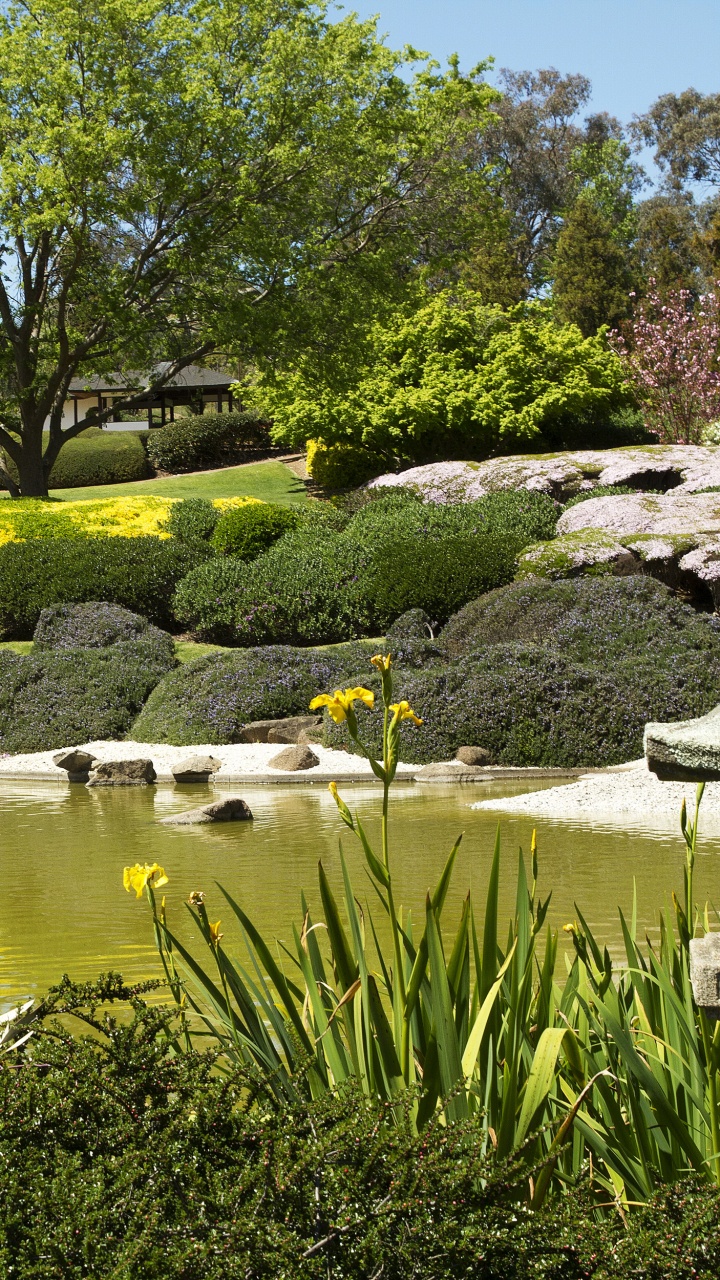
[{"x": 183, "y": 176}]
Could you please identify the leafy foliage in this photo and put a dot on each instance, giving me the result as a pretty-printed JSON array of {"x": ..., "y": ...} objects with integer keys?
[
  {"x": 209, "y": 700},
  {"x": 457, "y": 379},
  {"x": 591, "y": 272},
  {"x": 138, "y": 573},
  {"x": 342, "y": 466},
  {"x": 199, "y": 442},
  {"x": 245, "y": 532},
  {"x": 318, "y": 585},
  {"x": 60, "y": 696},
  {"x": 192, "y": 520}
]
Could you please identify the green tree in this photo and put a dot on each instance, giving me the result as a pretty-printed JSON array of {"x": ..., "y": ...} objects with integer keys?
[
  {"x": 591, "y": 273},
  {"x": 455, "y": 378},
  {"x": 196, "y": 175}
]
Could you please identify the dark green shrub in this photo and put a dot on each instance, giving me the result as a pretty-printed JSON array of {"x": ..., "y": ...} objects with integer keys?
[
  {"x": 98, "y": 457},
  {"x": 209, "y": 700},
  {"x": 411, "y": 641},
  {"x": 343, "y": 466},
  {"x": 207, "y": 440},
  {"x": 122, "y": 1160},
  {"x": 317, "y": 586},
  {"x": 95, "y": 625},
  {"x": 595, "y": 620},
  {"x": 192, "y": 520},
  {"x": 138, "y": 573},
  {"x": 55, "y": 698},
  {"x": 246, "y": 532}
]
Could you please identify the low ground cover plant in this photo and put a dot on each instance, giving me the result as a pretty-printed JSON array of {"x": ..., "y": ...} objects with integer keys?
[
  {"x": 138, "y": 573},
  {"x": 97, "y": 457},
  {"x": 320, "y": 584},
  {"x": 202, "y": 441},
  {"x": 129, "y": 516}
]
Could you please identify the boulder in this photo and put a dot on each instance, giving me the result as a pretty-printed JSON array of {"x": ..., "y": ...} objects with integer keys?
[
  {"x": 285, "y": 730},
  {"x": 232, "y": 809},
  {"x": 562, "y": 475},
  {"x": 196, "y": 769},
  {"x": 677, "y": 512},
  {"x": 122, "y": 773},
  {"x": 77, "y": 763},
  {"x": 705, "y": 972},
  {"x": 448, "y": 771},
  {"x": 473, "y": 755},
  {"x": 687, "y": 750},
  {"x": 294, "y": 758}
]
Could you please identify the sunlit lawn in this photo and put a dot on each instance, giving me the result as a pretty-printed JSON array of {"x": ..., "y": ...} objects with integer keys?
[{"x": 271, "y": 481}]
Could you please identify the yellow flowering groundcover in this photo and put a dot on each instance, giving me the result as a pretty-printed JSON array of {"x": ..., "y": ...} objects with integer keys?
[{"x": 129, "y": 517}]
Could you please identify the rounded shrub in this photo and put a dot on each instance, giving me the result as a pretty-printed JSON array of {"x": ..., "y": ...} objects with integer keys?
[
  {"x": 138, "y": 573},
  {"x": 209, "y": 700},
  {"x": 342, "y": 466},
  {"x": 206, "y": 440},
  {"x": 97, "y": 457},
  {"x": 246, "y": 532},
  {"x": 192, "y": 520},
  {"x": 96, "y": 625}
]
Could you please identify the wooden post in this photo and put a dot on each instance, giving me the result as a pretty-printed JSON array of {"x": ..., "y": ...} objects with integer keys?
[
  {"x": 230, "y": 402},
  {"x": 219, "y": 402},
  {"x": 150, "y": 415},
  {"x": 172, "y": 410},
  {"x": 162, "y": 411},
  {"x": 75, "y": 412}
]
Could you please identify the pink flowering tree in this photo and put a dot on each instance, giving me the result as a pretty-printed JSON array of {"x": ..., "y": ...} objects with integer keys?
[{"x": 671, "y": 357}]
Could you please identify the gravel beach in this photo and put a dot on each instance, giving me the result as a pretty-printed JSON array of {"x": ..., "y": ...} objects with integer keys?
[
  {"x": 628, "y": 796},
  {"x": 240, "y": 762}
]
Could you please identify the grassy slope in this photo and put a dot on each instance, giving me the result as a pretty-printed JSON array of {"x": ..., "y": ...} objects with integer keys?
[
  {"x": 271, "y": 481},
  {"x": 186, "y": 650}
]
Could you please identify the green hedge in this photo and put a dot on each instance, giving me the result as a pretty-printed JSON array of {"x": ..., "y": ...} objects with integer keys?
[
  {"x": 98, "y": 457},
  {"x": 122, "y": 1160},
  {"x": 138, "y": 573},
  {"x": 55, "y": 698},
  {"x": 317, "y": 585},
  {"x": 210, "y": 699},
  {"x": 206, "y": 440},
  {"x": 246, "y": 532}
]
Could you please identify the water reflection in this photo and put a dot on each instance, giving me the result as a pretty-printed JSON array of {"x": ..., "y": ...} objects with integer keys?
[{"x": 63, "y": 908}]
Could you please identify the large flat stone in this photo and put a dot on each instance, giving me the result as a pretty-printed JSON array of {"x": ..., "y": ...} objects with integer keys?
[
  {"x": 656, "y": 513},
  {"x": 293, "y": 759},
  {"x": 448, "y": 771},
  {"x": 687, "y": 750},
  {"x": 196, "y": 769},
  {"x": 285, "y": 730}
]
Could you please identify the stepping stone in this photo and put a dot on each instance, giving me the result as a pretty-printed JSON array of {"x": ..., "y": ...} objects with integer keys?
[
  {"x": 122, "y": 773},
  {"x": 473, "y": 755},
  {"x": 196, "y": 769},
  {"x": 294, "y": 758},
  {"x": 448, "y": 771},
  {"x": 232, "y": 809}
]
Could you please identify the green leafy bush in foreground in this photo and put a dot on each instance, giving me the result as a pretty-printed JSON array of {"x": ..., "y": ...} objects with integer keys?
[
  {"x": 192, "y": 521},
  {"x": 58, "y": 697},
  {"x": 119, "y": 1159},
  {"x": 138, "y": 573},
  {"x": 318, "y": 585},
  {"x": 209, "y": 700}
]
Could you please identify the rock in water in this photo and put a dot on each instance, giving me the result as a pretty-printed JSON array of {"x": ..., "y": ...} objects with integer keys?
[
  {"x": 233, "y": 809},
  {"x": 77, "y": 763},
  {"x": 294, "y": 758},
  {"x": 473, "y": 755},
  {"x": 196, "y": 769},
  {"x": 122, "y": 773},
  {"x": 685, "y": 751},
  {"x": 285, "y": 730}
]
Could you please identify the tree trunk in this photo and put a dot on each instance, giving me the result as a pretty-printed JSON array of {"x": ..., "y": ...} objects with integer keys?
[{"x": 31, "y": 471}]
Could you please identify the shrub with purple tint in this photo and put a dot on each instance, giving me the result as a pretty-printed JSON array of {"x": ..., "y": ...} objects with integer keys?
[{"x": 96, "y": 624}]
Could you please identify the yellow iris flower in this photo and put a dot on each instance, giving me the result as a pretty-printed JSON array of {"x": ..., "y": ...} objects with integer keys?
[
  {"x": 339, "y": 703},
  {"x": 403, "y": 711},
  {"x": 215, "y": 934},
  {"x": 382, "y": 662},
  {"x": 138, "y": 877}
]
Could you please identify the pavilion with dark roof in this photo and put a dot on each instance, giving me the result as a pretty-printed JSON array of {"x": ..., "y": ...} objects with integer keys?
[{"x": 193, "y": 387}]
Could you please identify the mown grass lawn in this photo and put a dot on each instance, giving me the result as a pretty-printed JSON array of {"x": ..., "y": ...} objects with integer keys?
[{"x": 271, "y": 481}]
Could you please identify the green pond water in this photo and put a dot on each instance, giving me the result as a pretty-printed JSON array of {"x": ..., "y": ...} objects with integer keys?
[{"x": 62, "y": 849}]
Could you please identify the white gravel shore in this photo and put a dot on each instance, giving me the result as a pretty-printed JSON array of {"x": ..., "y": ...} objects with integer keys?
[
  {"x": 630, "y": 796},
  {"x": 240, "y": 762}
]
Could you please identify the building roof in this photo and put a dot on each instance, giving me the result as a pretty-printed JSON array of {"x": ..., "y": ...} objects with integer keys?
[{"x": 189, "y": 379}]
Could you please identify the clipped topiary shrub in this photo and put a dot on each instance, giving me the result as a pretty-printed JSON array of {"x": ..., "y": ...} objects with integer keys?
[
  {"x": 55, "y": 698},
  {"x": 98, "y": 457},
  {"x": 206, "y": 440},
  {"x": 192, "y": 520},
  {"x": 138, "y": 573},
  {"x": 246, "y": 532},
  {"x": 96, "y": 625},
  {"x": 211, "y": 699},
  {"x": 319, "y": 585}
]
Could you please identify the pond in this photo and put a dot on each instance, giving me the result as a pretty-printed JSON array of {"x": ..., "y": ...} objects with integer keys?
[{"x": 63, "y": 908}]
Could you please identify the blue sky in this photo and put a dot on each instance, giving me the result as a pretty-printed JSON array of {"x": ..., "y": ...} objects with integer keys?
[{"x": 632, "y": 50}]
